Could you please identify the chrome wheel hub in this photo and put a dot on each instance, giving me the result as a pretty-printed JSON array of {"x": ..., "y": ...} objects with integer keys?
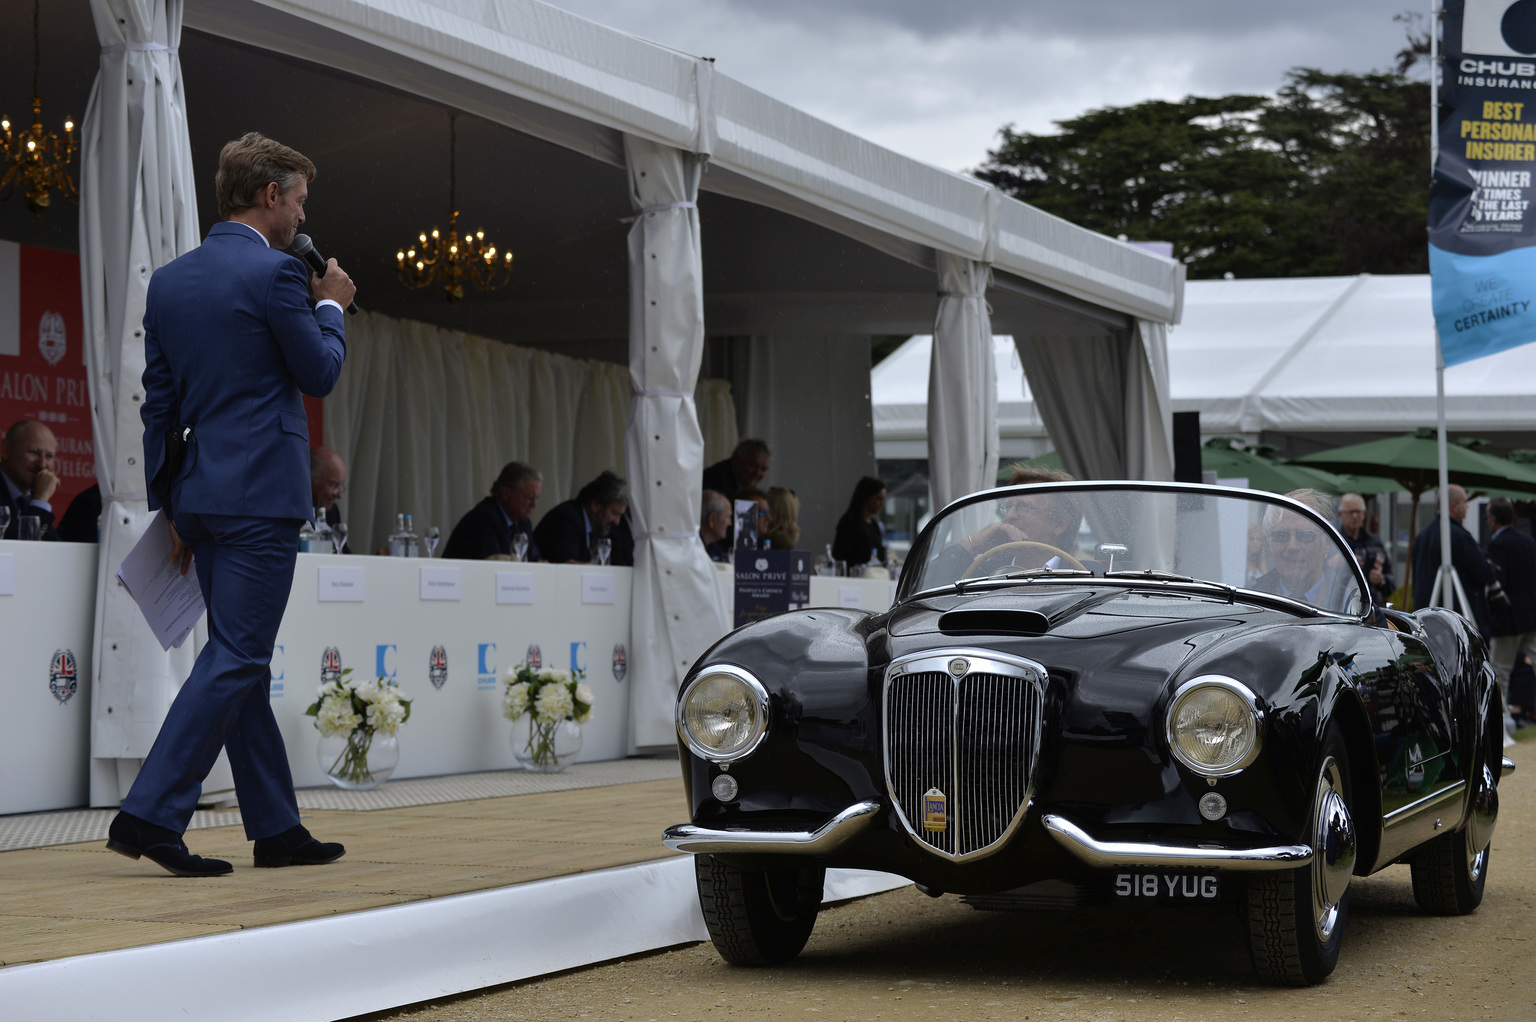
[{"x": 1334, "y": 849}]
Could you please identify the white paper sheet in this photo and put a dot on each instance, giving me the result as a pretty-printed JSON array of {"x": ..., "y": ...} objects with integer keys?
[{"x": 170, "y": 601}]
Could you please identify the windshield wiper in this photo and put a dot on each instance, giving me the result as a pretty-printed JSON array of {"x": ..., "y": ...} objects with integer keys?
[
  {"x": 1158, "y": 575},
  {"x": 960, "y": 584}
]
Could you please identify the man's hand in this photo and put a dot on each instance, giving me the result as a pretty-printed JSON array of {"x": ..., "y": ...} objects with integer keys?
[
  {"x": 179, "y": 550},
  {"x": 1376, "y": 578},
  {"x": 335, "y": 285},
  {"x": 993, "y": 535},
  {"x": 45, "y": 485}
]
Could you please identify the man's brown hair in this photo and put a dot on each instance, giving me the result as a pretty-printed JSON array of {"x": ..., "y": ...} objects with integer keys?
[{"x": 249, "y": 164}]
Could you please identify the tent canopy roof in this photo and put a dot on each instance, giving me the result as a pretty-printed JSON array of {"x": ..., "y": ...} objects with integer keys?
[
  {"x": 568, "y": 80},
  {"x": 1304, "y": 354}
]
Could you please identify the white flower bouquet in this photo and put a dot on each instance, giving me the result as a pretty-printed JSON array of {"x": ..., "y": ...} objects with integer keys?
[
  {"x": 548, "y": 698},
  {"x": 358, "y": 710}
]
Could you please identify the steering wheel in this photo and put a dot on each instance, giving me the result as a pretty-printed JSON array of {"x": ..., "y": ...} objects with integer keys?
[{"x": 1021, "y": 544}]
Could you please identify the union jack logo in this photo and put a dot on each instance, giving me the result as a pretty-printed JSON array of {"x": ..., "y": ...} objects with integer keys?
[
  {"x": 330, "y": 665},
  {"x": 437, "y": 666},
  {"x": 63, "y": 676}
]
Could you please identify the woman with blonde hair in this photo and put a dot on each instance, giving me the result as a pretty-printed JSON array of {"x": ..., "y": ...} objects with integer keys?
[{"x": 783, "y": 518}]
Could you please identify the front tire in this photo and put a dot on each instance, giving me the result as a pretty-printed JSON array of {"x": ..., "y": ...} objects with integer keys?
[
  {"x": 1296, "y": 918},
  {"x": 756, "y": 916}
]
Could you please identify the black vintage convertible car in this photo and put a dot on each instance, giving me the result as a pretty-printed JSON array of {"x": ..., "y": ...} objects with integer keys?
[{"x": 1150, "y": 692}]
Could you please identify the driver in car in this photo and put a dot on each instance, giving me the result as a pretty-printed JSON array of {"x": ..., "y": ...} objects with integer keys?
[{"x": 1048, "y": 519}]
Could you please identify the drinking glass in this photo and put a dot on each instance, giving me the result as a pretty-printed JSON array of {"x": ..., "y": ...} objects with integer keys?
[
  {"x": 602, "y": 550},
  {"x": 339, "y": 536},
  {"x": 434, "y": 536},
  {"x": 823, "y": 565},
  {"x": 31, "y": 528},
  {"x": 5, "y": 520},
  {"x": 519, "y": 546}
]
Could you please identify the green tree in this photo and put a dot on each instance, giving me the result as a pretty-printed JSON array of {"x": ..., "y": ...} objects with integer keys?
[{"x": 1329, "y": 176}]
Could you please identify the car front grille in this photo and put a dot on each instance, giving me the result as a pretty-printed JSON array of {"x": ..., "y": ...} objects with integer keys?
[{"x": 974, "y": 739}]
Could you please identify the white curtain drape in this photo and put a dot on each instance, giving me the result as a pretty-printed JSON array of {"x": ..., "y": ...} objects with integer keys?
[
  {"x": 962, "y": 384},
  {"x": 426, "y": 417},
  {"x": 1104, "y": 400},
  {"x": 677, "y": 609},
  {"x": 137, "y": 212}
]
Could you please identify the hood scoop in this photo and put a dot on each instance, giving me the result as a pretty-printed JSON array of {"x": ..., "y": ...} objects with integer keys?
[{"x": 994, "y": 621}]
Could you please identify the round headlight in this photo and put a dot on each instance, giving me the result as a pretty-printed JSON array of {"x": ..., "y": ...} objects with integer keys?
[
  {"x": 723, "y": 714},
  {"x": 1213, "y": 725}
]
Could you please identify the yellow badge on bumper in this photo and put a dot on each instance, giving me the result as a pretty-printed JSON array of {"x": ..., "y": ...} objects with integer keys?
[{"x": 935, "y": 810}]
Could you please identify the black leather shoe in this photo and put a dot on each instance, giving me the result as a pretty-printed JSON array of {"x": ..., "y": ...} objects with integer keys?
[
  {"x": 295, "y": 847},
  {"x": 134, "y": 837}
]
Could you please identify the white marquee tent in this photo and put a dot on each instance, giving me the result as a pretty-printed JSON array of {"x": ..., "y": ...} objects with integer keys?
[
  {"x": 762, "y": 223},
  {"x": 1285, "y": 356}
]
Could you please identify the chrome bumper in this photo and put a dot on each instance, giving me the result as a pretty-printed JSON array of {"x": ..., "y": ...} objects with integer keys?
[
  {"x": 1507, "y": 768},
  {"x": 685, "y": 837},
  {"x": 1107, "y": 854}
]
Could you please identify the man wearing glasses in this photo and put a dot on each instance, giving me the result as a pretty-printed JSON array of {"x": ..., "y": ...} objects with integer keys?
[
  {"x": 1300, "y": 552},
  {"x": 1368, "y": 548}
]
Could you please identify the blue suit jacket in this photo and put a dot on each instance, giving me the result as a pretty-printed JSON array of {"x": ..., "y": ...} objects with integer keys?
[{"x": 231, "y": 324}]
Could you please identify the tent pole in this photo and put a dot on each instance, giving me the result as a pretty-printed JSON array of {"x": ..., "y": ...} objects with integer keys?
[{"x": 1445, "y": 498}]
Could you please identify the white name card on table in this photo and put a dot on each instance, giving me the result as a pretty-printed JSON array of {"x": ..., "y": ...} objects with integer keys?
[
  {"x": 341, "y": 585},
  {"x": 7, "y": 575},
  {"x": 599, "y": 587},
  {"x": 442, "y": 583},
  {"x": 850, "y": 596},
  {"x": 514, "y": 587}
]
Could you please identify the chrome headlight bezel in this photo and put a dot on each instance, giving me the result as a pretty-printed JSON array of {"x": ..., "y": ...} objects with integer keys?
[
  {"x": 1235, "y": 687},
  {"x": 757, "y": 694}
]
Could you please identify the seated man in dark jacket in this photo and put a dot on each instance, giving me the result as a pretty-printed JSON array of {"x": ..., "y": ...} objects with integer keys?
[
  {"x": 488, "y": 528},
  {"x": 569, "y": 533},
  {"x": 27, "y": 479}
]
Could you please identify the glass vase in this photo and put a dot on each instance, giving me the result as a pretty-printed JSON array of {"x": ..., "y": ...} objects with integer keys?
[
  {"x": 359, "y": 760},
  {"x": 546, "y": 748}
]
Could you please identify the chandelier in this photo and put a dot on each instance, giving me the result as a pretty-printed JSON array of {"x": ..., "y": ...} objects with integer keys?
[
  {"x": 449, "y": 257},
  {"x": 37, "y": 157}
]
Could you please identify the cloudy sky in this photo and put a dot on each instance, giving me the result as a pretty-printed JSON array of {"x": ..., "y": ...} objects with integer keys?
[{"x": 936, "y": 80}]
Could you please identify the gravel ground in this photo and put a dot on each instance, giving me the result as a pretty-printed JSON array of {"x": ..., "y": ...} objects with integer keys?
[{"x": 902, "y": 955}]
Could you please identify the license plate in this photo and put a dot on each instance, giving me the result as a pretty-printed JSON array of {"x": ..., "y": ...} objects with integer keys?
[{"x": 1168, "y": 887}]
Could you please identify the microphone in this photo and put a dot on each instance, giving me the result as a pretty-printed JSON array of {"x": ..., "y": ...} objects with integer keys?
[{"x": 304, "y": 248}]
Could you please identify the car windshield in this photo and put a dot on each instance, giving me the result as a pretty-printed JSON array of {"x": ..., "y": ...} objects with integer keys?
[{"x": 1245, "y": 539}]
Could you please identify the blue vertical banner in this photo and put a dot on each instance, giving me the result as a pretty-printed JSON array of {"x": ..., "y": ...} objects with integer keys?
[{"x": 1481, "y": 227}]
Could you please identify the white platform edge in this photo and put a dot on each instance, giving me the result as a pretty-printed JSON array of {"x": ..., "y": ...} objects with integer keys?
[{"x": 374, "y": 960}]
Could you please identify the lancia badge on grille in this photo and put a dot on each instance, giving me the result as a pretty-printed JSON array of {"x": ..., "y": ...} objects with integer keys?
[
  {"x": 958, "y": 666},
  {"x": 935, "y": 808}
]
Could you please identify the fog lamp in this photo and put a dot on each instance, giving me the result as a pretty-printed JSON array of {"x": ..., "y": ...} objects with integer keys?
[
  {"x": 1213, "y": 725},
  {"x": 723, "y": 714},
  {"x": 724, "y": 788}
]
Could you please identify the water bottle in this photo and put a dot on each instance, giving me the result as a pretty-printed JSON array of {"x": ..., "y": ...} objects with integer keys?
[
  {"x": 397, "y": 538},
  {"x": 307, "y": 539},
  {"x": 323, "y": 543},
  {"x": 412, "y": 541}
]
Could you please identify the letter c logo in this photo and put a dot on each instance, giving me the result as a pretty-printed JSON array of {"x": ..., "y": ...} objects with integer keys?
[
  {"x": 382, "y": 666},
  {"x": 487, "y": 658}
]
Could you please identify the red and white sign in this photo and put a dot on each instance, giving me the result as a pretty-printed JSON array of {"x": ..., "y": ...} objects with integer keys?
[{"x": 42, "y": 358}]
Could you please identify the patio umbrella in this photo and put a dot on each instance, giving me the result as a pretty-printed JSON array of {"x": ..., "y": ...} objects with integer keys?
[{"x": 1413, "y": 460}]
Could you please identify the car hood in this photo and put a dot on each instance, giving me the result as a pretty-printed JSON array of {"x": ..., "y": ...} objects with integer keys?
[{"x": 1080, "y": 631}]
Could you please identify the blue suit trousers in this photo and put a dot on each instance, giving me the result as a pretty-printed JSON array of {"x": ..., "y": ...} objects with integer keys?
[{"x": 245, "y": 567}]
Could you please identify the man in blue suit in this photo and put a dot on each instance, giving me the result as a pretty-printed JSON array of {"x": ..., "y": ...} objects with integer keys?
[{"x": 232, "y": 339}]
